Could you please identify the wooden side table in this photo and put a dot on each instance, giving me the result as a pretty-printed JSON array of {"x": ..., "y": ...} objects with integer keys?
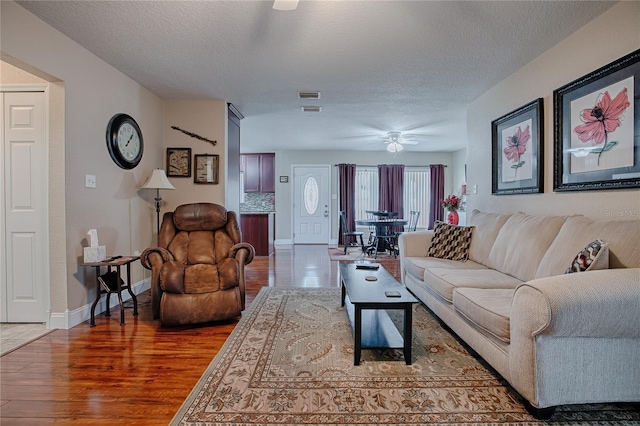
[{"x": 100, "y": 289}]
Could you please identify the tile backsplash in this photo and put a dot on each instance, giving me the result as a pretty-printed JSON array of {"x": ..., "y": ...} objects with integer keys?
[{"x": 258, "y": 202}]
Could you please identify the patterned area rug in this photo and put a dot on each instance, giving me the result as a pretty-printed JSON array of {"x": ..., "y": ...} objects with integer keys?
[
  {"x": 353, "y": 254},
  {"x": 290, "y": 361}
]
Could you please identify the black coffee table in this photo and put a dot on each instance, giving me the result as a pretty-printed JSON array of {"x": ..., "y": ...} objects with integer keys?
[{"x": 373, "y": 328}]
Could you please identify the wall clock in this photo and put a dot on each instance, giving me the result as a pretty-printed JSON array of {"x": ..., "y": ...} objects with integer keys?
[{"x": 124, "y": 141}]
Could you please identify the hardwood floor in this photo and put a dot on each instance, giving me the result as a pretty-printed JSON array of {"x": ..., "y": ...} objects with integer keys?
[{"x": 140, "y": 373}]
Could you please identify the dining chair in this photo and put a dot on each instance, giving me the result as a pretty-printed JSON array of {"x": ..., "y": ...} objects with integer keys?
[
  {"x": 346, "y": 234},
  {"x": 411, "y": 227},
  {"x": 413, "y": 220}
]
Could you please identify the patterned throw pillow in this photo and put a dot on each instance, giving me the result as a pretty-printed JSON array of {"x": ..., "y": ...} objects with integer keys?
[
  {"x": 594, "y": 256},
  {"x": 450, "y": 241}
]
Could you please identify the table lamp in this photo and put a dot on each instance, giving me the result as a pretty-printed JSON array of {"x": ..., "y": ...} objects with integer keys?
[{"x": 158, "y": 181}]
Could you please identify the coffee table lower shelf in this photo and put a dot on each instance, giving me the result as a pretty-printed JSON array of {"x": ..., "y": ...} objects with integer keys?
[{"x": 373, "y": 328}]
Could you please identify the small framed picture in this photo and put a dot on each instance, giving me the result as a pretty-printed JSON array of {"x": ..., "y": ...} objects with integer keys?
[
  {"x": 597, "y": 129},
  {"x": 206, "y": 168},
  {"x": 284, "y": 179},
  {"x": 517, "y": 151},
  {"x": 179, "y": 162}
]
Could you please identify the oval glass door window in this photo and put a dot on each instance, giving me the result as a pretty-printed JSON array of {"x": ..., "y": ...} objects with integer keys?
[{"x": 310, "y": 195}]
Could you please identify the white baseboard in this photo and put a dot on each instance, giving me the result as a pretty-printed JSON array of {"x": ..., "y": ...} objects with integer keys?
[
  {"x": 283, "y": 244},
  {"x": 68, "y": 319}
]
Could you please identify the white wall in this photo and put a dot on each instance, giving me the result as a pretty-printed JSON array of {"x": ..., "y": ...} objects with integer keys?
[
  {"x": 286, "y": 159},
  {"x": 605, "y": 39},
  {"x": 94, "y": 92}
]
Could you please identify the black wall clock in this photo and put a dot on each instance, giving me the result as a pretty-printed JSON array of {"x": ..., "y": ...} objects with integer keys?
[{"x": 124, "y": 141}]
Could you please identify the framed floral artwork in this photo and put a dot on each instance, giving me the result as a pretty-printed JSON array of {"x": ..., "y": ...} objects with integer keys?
[
  {"x": 179, "y": 162},
  {"x": 518, "y": 151},
  {"x": 597, "y": 129}
]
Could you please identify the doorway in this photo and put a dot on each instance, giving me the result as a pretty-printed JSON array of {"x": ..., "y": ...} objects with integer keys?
[
  {"x": 311, "y": 213},
  {"x": 23, "y": 207}
]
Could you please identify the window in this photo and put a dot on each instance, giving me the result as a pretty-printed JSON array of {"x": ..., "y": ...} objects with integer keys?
[
  {"x": 366, "y": 191},
  {"x": 416, "y": 192}
]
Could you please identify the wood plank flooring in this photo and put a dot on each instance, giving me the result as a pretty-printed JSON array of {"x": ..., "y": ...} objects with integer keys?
[{"x": 140, "y": 373}]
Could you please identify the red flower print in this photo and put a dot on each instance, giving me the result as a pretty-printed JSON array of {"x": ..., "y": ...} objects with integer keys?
[
  {"x": 517, "y": 144},
  {"x": 603, "y": 118}
]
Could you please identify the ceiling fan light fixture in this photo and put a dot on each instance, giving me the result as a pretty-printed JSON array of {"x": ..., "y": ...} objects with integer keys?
[
  {"x": 285, "y": 4},
  {"x": 394, "y": 147}
]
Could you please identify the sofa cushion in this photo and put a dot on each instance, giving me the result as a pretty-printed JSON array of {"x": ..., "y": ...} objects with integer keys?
[
  {"x": 445, "y": 280},
  {"x": 417, "y": 265},
  {"x": 450, "y": 241},
  {"x": 522, "y": 242},
  {"x": 487, "y": 226},
  {"x": 593, "y": 257},
  {"x": 488, "y": 310},
  {"x": 578, "y": 231}
]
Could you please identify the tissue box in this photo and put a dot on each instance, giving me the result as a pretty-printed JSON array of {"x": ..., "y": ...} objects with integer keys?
[{"x": 95, "y": 254}]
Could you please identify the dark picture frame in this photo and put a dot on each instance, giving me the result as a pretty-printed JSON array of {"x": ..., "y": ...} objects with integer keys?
[
  {"x": 179, "y": 162},
  {"x": 518, "y": 151},
  {"x": 597, "y": 129},
  {"x": 206, "y": 168}
]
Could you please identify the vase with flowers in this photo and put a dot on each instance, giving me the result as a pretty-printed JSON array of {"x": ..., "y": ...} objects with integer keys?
[{"x": 452, "y": 203}]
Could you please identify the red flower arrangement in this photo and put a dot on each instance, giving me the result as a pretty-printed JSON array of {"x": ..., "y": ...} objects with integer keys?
[{"x": 451, "y": 203}]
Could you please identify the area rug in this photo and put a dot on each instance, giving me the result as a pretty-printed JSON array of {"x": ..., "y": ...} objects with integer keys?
[
  {"x": 353, "y": 254},
  {"x": 290, "y": 361}
]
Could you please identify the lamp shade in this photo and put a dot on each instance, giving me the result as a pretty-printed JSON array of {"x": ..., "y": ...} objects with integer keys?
[{"x": 158, "y": 180}]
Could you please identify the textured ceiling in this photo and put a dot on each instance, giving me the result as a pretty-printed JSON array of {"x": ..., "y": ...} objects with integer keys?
[{"x": 380, "y": 66}]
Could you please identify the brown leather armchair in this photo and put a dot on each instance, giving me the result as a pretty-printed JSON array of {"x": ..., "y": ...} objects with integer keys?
[{"x": 197, "y": 270}]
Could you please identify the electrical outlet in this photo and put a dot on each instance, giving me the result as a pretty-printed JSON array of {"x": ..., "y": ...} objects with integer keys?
[{"x": 89, "y": 181}]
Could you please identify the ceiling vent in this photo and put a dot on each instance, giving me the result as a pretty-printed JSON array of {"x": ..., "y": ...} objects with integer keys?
[
  {"x": 311, "y": 108},
  {"x": 309, "y": 95}
]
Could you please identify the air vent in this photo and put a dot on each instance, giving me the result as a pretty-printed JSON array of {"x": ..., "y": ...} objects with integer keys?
[
  {"x": 311, "y": 108},
  {"x": 309, "y": 95}
]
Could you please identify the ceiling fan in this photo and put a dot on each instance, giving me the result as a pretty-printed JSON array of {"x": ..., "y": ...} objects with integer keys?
[{"x": 394, "y": 141}]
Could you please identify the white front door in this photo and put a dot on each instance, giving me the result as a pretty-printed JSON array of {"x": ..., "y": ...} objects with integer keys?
[
  {"x": 23, "y": 167},
  {"x": 311, "y": 204}
]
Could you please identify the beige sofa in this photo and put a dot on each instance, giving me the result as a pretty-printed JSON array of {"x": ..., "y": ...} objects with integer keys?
[{"x": 556, "y": 338}]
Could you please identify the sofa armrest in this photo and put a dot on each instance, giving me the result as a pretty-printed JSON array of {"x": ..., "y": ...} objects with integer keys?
[
  {"x": 414, "y": 244},
  {"x": 243, "y": 253},
  {"x": 604, "y": 303},
  {"x": 560, "y": 326},
  {"x": 153, "y": 258}
]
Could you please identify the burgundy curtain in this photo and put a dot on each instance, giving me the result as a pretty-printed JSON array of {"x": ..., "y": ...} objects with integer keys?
[
  {"x": 390, "y": 188},
  {"x": 347, "y": 182},
  {"x": 436, "y": 184}
]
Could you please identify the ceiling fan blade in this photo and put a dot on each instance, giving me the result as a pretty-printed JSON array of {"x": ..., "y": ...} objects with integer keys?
[
  {"x": 285, "y": 4},
  {"x": 409, "y": 142}
]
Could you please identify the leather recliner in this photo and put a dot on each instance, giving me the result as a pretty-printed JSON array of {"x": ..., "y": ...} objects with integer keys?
[{"x": 197, "y": 270}]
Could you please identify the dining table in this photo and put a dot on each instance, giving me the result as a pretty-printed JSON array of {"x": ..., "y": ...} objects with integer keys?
[{"x": 383, "y": 226}]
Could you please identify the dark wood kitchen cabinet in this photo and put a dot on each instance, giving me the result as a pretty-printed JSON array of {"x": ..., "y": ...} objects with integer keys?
[
  {"x": 259, "y": 172},
  {"x": 258, "y": 229}
]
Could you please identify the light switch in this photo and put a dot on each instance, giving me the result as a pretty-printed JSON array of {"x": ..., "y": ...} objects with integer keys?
[
  {"x": 475, "y": 189},
  {"x": 89, "y": 181}
]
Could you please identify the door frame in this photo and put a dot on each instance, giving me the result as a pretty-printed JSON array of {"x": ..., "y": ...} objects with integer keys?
[
  {"x": 46, "y": 290},
  {"x": 293, "y": 199}
]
